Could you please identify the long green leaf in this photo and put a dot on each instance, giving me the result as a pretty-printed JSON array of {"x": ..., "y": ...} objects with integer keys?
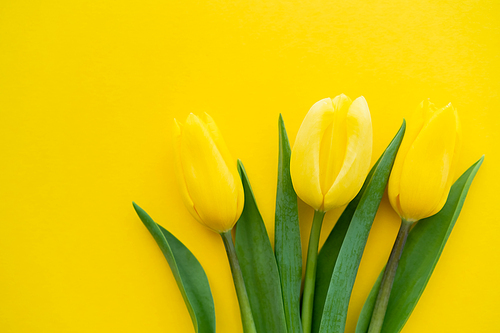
[
  {"x": 258, "y": 265},
  {"x": 366, "y": 313},
  {"x": 420, "y": 256},
  {"x": 287, "y": 236},
  {"x": 327, "y": 257},
  {"x": 328, "y": 254},
  {"x": 346, "y": 267},
  {"x": 189, "y": 275}
]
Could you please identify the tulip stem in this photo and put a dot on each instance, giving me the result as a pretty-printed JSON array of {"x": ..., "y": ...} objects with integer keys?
[
  {"x": 384, "y": 292},
  {"x": 239, "y": 284},
  {"x": 310, "y": 278}
]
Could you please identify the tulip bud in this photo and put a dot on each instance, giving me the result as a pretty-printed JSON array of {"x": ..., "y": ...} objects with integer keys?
[
  {"x": 332, "y": 152},
  {"x": 425, "y": 165},
  {"x": 207, "y": 174}
]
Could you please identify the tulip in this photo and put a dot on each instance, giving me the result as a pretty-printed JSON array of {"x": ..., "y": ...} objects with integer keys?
[
  {"x": 332, "y": 152},
  {"x": 329, "y": 163},
  {"x": 420, "y": 181},
  {"x": 212, "y": 190},
  {"x": 208, "y": 177},
  {"x": 426, "y": 162}
]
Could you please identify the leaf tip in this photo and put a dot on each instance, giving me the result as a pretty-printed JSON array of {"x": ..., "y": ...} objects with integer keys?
[
  {"x": 136, "y": 206},
  {"x": 479, "y": 162},
  {"x": 240, "y": 166},
  {"x": 242, "y": 171}
]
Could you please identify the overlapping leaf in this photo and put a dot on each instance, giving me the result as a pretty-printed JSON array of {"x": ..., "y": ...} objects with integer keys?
[
  {"x": 334, "y": 312},
  {"x": 258, "y": 265},
  {"x": 327, "y": 257}
]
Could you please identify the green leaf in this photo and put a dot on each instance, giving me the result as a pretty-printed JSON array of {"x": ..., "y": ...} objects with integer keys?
[
  {"x": 287, "y": 236},
  {"x": 189, "y": 275},
  {"x": 420, "y": 255},
  {"x": 258, "y": 265},
  {"x": 346, "y": 266},
  {"x": 366, "y": 313},
  {"x": 329, "y": 252}
]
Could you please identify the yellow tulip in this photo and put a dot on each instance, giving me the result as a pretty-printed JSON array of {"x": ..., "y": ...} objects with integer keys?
[
  {"x": 332, "y": 152},
  {"x": 207, "y": 174},
  {"x": 425, "y": 165},
  {"x": 329, "y": 163},
  {"x": 419, "y": 184}
]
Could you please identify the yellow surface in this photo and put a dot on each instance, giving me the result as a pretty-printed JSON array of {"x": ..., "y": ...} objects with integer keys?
[{"x": 88, "y": 90}]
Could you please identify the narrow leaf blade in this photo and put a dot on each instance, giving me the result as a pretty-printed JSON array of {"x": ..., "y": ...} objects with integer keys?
[
  {"x": 346, "y": 267},
  {"x": 423, "y": 248},
  {"x": 258, "y": 265},
  {"x": 188, "y": 272},
  {"x": 287, "y": 236},
  {"x": 366, "y": 312},
  {"x": 329, "y": 252}
]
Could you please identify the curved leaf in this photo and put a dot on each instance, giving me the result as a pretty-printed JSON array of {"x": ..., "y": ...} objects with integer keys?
[
  {"x": 346, "y": 267},
  {"x": 366, "y": 312},
  {"x": 329, "y": 252},
  {"x": 258, "y": 265},
  {"x": 422, "y": 251},
  {"x": 189, "y": 275},
  {"x": 287, "y": 236}
]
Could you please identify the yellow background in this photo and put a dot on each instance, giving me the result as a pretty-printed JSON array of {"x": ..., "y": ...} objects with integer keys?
[{"x": 88, "y": 90}]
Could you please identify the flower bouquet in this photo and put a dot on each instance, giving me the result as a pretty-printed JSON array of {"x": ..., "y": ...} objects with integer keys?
[{"x": 328, "y": 167}]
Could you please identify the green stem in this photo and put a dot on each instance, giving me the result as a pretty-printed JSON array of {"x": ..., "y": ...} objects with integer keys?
[
  {"x": 239, "y": 284},
  {"x": 384, "y": 293},
  {"x": 310, "y": 278}
]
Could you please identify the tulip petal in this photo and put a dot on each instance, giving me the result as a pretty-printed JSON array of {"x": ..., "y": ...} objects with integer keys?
[
  {"x": 333, "y": 144},
  {"x": 177, "y": 130},
  {"x": 305, "y": 159},
  {"x": 453, "y": 168},
  {"x": 216, "y": 136},
  {"x": 226, "y": 155},
  {"x": 426, "y": 168},
  {"x": 240, "y": 199},
  {"x": 356, "y": 163},
  {"x": 209, "y": 180},
  {"x": 417, "y": 121}
]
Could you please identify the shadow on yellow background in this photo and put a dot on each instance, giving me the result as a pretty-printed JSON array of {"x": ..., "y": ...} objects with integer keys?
[{"x": 88, "y": 91}]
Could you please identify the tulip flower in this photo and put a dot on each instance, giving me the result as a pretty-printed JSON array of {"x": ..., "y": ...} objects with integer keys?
[
  {"x": 426, "y": 162},
  {"x": 207, "y": 174},
  {"x": 212, "y": 190},
  {"x": 332, "y": 152},
  {"x": 330, "y": 160},
  {"x": 419, "y": 184}
]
